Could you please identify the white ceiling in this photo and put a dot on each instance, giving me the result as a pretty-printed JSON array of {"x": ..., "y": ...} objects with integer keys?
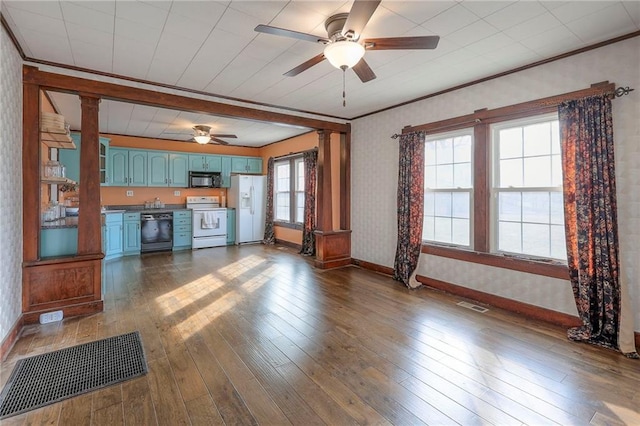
[{"x": 211, "y": 46}]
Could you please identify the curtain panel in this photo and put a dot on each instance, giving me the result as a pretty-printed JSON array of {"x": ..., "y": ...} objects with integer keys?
[
  {"x": 310, "y": 180},
  {"x": 589, "y": 187},
  {"x": 269, "y": 233},
  {"x": 410, "y": 208}
]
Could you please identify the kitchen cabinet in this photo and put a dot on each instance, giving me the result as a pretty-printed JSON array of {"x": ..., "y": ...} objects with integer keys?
[
  {"x": 167, "y": 169},
  {"x": 131, "y": 234},
  {"x": 126, "y": 167},
  {"x": 205, "y": 163},
  {"x": 58, "y": 242},
  {"x": 246, "y": 165},
  {"x": 226, "y": 172},
  {"x": 182, "y": 230},
  {"x": 113, "y": 233},
  {"x": 70, "y": 158},
  {"x": 231, "y": 227}
]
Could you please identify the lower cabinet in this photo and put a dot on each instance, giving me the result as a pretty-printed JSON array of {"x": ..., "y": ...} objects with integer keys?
[
  {"x": 131, "y": 235},
  {"x": 182, "y": 230},
  {"x": 58, "y": 242},
  {"x": 231, "y": 227},
  {"x": 113, "y": 241}
]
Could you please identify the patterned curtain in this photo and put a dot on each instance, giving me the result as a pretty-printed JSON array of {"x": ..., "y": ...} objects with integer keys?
[
  {"x": 591, "y": 225},
  {"x": 269, "y": 234},
  {"x": 308, "y": 237},
  {"x": 410, "y": 208}
]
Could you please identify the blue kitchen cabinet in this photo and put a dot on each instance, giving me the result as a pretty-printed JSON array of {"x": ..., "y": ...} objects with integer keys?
[
  {"x": 182, "y": 230},
  {"x": 231, "y": 227},
  {"x": 70, "y": 158},
  {"x": 251, "y": 165},
  {"x": 126, "y": 167},
  {"x": 113, "y": 243},
  {"x": 168, "y": 169},
  {"x": 205, "y": 163},
  {"x": 131, "y": 235},
  {"x": 58, "y": 242},
  {"x": 226, "y": 172}
]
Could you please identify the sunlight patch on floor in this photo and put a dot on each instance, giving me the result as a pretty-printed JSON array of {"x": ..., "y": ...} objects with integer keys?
[
  {"x": 239, "y": 267},
  {"x": 259, "y": 280},
  {"x": 626, "y": 415},
  {"x": 187, "y": 294}
]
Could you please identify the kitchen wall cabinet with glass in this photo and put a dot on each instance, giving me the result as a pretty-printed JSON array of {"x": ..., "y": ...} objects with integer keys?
[
  {"x": 127, "y": 167},
  {"x": 168, "y": 169},
  {"x": 71, "y": 159}
]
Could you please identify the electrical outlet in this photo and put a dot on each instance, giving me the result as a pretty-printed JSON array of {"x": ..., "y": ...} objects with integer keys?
[
  {"x": 51, "y": 317},
  {"x": 129, "y": 193},
  {"x": 176, "y": 193}
]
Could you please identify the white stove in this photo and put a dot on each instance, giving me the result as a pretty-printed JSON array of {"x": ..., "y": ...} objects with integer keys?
[{"x": 209, "y": 222}]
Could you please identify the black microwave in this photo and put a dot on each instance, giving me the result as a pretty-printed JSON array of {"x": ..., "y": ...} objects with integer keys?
[{"x": 205, "y": 180}]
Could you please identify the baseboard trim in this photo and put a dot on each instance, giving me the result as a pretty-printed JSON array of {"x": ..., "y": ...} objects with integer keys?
[
  {"x": 290, "y": 244},
  {"x": 372, "y": 266},
  {"x": 525, "y": 309},
  {"x": 12, "y": 338}
]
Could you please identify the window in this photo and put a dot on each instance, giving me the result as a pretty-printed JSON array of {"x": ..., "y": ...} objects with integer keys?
[
  {"x": 448, "y": 185},
  {"x": 528, "y": 212},
  {"x": 288, "y": 189}
]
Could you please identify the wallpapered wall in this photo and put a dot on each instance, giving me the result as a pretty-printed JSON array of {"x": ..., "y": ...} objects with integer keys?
[
  {"x": 10, "y": 185},
  {"x": 375, "y": 169}
]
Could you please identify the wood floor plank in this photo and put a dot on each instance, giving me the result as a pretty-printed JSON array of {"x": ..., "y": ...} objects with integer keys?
[{"x": 255, "y": 334}]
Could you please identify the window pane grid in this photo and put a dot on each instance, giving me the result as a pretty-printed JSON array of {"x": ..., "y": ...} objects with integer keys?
[
  {"x": 289, "y": 190},
  {"x": 529, "y": 218}
]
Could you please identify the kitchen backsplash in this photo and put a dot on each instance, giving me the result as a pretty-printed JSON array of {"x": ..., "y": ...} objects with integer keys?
[{"x": 118, "y": 195}]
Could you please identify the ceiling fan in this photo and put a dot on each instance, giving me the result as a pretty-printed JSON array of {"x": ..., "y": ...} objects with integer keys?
[
  {"x": 343, "y": 47},
  {"x": 202, "y": 135}
]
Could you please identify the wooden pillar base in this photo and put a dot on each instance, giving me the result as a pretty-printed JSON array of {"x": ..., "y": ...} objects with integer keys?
[
  {"x": 333, "y": 249},
  {"x": 72, "y": 285}
]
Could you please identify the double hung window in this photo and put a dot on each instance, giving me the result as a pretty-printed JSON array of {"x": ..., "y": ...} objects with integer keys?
[
  {"x": 288, "y": 191},
  {"x": 448, "y": 187},
  {"x": 527, "y": 212}
]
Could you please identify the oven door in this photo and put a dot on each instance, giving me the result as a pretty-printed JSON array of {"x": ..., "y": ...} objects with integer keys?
[{"x": 209, "y": 228}]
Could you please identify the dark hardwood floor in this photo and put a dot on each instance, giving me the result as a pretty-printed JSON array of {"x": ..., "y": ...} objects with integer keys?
[{"x": 256, "y": 335}]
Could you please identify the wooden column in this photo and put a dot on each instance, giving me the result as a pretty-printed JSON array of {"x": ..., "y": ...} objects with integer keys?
[
  {"x": 30, "y": 171},
  {"x": 89, "y": 226},
  {"x": 333, "y": 247}
]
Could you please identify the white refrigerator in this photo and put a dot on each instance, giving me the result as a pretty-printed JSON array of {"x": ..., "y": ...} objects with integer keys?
[{"x": 247, "y": 195}]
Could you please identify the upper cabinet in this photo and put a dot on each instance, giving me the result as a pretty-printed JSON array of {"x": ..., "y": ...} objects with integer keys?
[
  {"x": 71, "y": 159},
  {"x": 246, "y": 165},
  {"x": 126, "y": 167},
  {"x": 168, "y": 169},
  {"x": 205, "y": 163}
]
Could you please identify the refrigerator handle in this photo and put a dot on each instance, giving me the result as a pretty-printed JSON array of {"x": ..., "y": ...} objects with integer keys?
[{"x": 252, "y": 200}]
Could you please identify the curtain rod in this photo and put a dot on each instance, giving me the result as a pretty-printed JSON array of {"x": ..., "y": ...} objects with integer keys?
[
  {"x": 617, "y": 93},
  {"x": 294, "y": 154}
]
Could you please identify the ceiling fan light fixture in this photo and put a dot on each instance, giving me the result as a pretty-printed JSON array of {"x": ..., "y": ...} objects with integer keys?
[
  {"x": 344, "y": 54},
  {"x": 202, "y": 139}
]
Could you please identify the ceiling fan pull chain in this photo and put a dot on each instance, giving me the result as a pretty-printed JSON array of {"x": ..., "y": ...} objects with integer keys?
[{"x": 344, "y": 91}]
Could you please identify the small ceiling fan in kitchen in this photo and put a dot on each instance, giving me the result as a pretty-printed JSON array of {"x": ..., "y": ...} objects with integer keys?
[
  {"x": 343, "y": 47},
  {"x": 202, "y": 135}
]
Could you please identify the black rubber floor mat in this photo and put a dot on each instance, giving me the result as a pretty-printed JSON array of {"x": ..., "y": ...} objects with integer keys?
[{"x": 47, "y": 378}]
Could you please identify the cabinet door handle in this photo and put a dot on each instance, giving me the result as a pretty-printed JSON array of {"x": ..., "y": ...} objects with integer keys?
[
  {"x": 169, "y": 181},
  {"x": 129, "y": 180}
]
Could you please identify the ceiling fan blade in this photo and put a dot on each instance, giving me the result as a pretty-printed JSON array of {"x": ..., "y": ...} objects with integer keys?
[
  {"x": 220, "y": 141},
  {"x": 360, "y": 13},
  {"x": 392, "y": 43},
  {"x": 364, "y": 71},
  {"x": 223, "y": 136},
  {"x": 268, "y": 29},
  {"x": 305, "y": 65}
]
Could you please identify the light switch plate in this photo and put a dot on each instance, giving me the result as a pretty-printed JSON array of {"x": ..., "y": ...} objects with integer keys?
[
  {"x": 129, "y": 193},
  {"x": 176, "y": 193}
]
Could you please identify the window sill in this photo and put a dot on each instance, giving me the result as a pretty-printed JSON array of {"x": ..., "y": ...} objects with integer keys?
[
  {"x": 507, "y": 262},
  {"x": 289, "y": 225}
]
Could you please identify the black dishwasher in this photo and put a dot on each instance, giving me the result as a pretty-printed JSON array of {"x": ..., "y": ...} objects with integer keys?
[{"x": 156, "y": 232}]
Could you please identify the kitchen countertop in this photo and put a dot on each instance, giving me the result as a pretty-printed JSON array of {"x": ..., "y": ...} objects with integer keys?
[
  {"x": 65, "y": 222},
  {"x": 72, "y": 221}
]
